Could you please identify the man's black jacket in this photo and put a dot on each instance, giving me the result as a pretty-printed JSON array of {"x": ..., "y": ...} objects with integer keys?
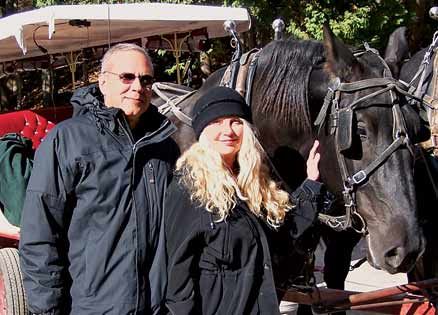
[{"x": 93, "y": 211}]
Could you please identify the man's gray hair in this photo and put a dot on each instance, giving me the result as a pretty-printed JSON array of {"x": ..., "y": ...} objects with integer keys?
[{"x": 119, "y": 48}]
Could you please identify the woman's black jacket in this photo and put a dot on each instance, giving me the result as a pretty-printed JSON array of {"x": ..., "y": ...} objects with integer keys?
[{"x": 224, "y": 267}]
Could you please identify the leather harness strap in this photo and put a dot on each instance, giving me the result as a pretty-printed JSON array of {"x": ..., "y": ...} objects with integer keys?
[
  {"x": 242, "y": 76},
  {"x": 245, "y": 74},
  {"x": 432, "y": 111},
  {"x": 172, "y": 103},
  {"x": 225, "y": 81},
  {"x": 418, "y": 92}
]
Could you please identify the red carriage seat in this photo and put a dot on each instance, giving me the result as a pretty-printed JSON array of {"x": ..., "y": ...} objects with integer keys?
[
  {"x": 35, "y": 127},
  {"x": 26, "y": 123}
]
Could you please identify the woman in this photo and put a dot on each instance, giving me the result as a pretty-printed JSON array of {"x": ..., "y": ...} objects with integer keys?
[{"x": 221, "y": 209}]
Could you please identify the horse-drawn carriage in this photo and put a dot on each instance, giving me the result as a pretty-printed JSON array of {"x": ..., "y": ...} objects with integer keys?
[{"x": 366, "y": 135}]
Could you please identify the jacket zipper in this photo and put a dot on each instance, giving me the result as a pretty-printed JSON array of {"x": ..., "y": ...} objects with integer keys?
[
  {"x": 123, "y": 123},
  {"x": 143, "y": 139},
  {"x": 150, "y": 180}
]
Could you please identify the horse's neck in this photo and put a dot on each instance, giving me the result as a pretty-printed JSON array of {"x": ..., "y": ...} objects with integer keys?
[{"x": 317, "y": 90}]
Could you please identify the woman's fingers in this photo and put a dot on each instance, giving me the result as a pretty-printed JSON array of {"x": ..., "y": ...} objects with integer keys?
[
  {"x": 317, "y": 158},
  {"x": 314, "y": 149},
  {"x": 313, "y": 162}
]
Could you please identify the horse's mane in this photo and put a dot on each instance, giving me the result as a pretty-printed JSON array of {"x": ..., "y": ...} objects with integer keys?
[{"x": 281, "y": 82}]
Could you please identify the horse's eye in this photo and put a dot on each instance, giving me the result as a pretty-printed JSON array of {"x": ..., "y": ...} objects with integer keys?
[{"x": 362, "y": 133}]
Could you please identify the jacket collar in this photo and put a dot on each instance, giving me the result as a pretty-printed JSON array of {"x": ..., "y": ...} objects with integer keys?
[{"x": 89, "y": 100}]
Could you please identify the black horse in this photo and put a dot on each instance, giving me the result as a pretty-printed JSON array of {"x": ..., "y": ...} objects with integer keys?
[
  {"x": 426, "y": 166},
  {"x": 289, "y": 89}
]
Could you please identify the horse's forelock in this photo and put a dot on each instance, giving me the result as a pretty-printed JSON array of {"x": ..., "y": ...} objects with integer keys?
[{"x": 281, "y": 83}]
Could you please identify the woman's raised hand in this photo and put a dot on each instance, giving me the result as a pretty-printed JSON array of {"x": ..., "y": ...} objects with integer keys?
[{"x": 313, "y": 162}]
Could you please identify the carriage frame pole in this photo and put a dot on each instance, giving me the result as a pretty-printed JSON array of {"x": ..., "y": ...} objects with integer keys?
[
  {"x": 176, "y": 48},
  {"x": 386, "y": 300}
]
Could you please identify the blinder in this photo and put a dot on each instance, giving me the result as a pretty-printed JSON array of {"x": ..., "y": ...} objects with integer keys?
[{"x": 344, "y": 134}]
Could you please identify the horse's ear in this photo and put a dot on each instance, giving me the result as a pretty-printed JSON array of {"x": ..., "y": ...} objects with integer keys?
[
  {"x": 397, "y": 49},
  {"x": 340, "y": 60}
]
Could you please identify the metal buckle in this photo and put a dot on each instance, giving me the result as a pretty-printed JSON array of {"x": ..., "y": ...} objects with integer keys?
[
  {"x": 348, "y": 195},
  {"x": 399, "y": 134},
  {"x": 359, "y": 177},
  {"x": 334, "y": 84}
]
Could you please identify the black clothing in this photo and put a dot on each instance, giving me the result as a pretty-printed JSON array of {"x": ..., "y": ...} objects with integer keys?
[
  {"x": 93, "y": 211},
  {"x": 223, "y": 267}
]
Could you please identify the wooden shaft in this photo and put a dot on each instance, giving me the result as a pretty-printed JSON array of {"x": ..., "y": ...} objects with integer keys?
[{"x": 366, "y": 297}]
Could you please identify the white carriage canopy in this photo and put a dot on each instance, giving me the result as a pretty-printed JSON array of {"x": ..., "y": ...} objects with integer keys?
[{"x": 65, "y": 28}]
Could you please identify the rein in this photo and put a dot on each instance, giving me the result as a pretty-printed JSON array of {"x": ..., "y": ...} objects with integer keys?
[
  {"x": 351, "y": 183},
  {"x": 427, "y": 74},
  {"x": 422, "y": 70},
  {"x": 171, "y": 103}
]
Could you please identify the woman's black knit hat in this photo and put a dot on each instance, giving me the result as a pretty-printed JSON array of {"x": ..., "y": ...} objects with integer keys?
[{"x": 218, "y": 102}]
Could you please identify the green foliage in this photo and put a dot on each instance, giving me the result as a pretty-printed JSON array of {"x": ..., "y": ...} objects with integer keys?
[
  {"x": 161, "y": 52},
  {"x": 294, "y": 30},
  {"x": 354, "y": 22},
  {"x": 172, "y": 69}
]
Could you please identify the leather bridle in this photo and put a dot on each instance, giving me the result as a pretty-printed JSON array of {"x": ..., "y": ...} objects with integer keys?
[{"x": 352, "y": 181}]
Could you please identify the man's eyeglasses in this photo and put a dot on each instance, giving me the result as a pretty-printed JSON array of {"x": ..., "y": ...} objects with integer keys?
[{"x": 146, "y": 80}]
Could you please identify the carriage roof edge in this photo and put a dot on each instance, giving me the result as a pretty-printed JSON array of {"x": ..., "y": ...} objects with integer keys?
[{"x": 54, "y": 29}]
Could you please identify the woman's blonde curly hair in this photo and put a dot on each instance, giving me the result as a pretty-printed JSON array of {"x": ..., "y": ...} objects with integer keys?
[{"x": 213, "y": 185}]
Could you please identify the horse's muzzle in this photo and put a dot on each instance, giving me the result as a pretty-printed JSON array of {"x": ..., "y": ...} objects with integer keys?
[
  {"x": 399, "y": 259},
  {"x": 402, "y": 259}
]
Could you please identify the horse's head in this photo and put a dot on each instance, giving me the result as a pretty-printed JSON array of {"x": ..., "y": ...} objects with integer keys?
[
  {"x": 366, "y": 137},
  {"x": 371, "y": 136}
]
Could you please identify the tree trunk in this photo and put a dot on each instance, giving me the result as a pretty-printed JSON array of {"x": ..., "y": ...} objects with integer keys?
[{"x": 417, "y": 25}]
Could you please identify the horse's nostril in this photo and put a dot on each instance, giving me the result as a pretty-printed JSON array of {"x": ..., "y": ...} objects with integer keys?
[
  {"x": 399, "y": 261},
  {"x": 393, "y": 259},
  {"x": 391, "y": 254}
]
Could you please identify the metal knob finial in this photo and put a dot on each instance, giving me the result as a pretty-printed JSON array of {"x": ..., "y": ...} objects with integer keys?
[
  {"x": 433, "y": 13},
  {"x": 229, "y": 26},
  {"x": 278, "y": 26}
]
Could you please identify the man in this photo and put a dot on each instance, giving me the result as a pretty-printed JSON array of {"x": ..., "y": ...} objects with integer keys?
[{"x": 92, "y": 214}]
